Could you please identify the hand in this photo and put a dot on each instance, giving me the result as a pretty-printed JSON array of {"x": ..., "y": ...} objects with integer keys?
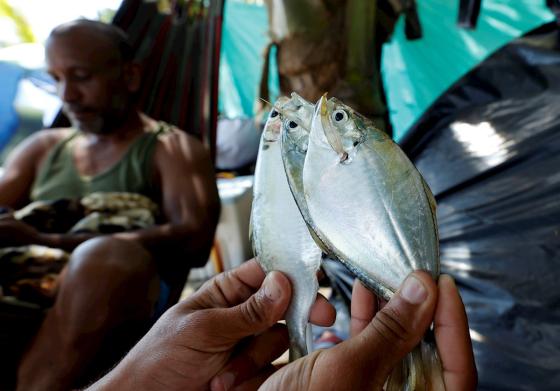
[
  {"x": 225, "y": 329},
  {"x": 380, "y": 339},
  {"x": 17, "y": 233}
]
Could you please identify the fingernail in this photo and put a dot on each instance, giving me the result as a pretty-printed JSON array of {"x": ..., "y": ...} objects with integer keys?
[
  {"x": 413, "y": 290},
  {"x": 448, "y": 278},
  {"x": 271, "y": 288},
  {"x": 226, "y": 379}
]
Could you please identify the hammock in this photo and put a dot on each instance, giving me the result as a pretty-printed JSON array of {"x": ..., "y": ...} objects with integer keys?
[{"x": 180, "y": 51}]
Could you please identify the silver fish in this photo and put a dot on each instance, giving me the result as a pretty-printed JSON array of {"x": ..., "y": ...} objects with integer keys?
[
  {"x": 296, "y": 122},
  {"x": 367, "y": 201},
  {"x": 371, "y": 208},
  {"x": 280, "y": 237}
]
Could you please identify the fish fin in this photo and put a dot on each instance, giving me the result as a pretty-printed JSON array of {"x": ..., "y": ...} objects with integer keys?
[
  {"x": 318, "y": 241},
  {"x": 296, "y": 352},
  {"x": 251, "y": 235},
  {"x": 429, "y": 195},
  {"x": 309, "y": 338},
  {"x": 433, "y": 207},
  {"x": 417, "y": 380},
  {"x": 420, "y": 370},
  {"x": 433, "y": 370},
  {"x": 396, "y": 379}
]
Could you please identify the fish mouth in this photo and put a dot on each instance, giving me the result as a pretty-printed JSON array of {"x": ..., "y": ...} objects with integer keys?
[
  {"x": 272, "y": 130},
  {"x": 333, "y": 137}
]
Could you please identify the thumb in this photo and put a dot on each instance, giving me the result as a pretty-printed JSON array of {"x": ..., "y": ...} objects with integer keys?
[
  {"x": 400, "y": 325},
  {"x": 367, "y": 359},
  {"x": 258, "y": 313}
]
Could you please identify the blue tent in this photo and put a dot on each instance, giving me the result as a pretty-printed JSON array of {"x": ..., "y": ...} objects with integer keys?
[{"x": 10, "y": 75}]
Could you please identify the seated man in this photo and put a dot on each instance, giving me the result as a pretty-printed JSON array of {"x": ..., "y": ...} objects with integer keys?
[{"x": 113, "y": 281}]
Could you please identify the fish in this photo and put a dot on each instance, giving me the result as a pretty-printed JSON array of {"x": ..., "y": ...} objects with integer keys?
[
  {"x": 296, "y": 123},
  {"x": 367, "y": 201},
  {"x": 374, "y": 212},
  {"x": 280, "y": 237},
  {"x": 296, "y": 120}
]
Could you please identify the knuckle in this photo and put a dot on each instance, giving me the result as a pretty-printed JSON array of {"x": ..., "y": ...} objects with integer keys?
[
  {"x": 310, "y": 366},
  {"x": 197, "y": 321},
  {"x": 254, "y": 312},
  {"x": 390, "y": 326}
]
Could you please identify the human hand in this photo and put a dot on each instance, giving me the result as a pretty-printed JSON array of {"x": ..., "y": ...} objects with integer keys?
[
  {"x": 225, "y": 329},
  {"x": 380, "y": 339},
  {"x": 16, "y": 233}
]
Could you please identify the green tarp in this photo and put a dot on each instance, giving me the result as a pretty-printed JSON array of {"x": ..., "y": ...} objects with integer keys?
[
  {"x": 244, "y": 39},
  {"x": 415, "y": 73}
]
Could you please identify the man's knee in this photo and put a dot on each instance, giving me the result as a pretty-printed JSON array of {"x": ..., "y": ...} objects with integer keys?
[
  {"x": 105, "y": 275},
  {"x": 106, "y": 255}
]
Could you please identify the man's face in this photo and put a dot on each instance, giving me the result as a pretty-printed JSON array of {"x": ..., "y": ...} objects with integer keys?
[{"x": 90, "y": 79}]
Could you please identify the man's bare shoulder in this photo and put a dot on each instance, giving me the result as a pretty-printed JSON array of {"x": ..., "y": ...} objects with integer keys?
[
  {"x": 35, "y": 147},
  {"x": 177, "y": 143},
  {"x": 45, "y": 139}
]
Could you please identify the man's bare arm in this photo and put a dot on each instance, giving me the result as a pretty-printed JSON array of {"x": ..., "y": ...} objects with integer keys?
[{"x": 21, "y": 166}]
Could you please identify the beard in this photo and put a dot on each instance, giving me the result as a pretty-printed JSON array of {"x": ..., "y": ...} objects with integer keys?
[
  {"x": 89, "y": 120},
  {"x": 99, "y": 120},
  {"x": 94, "y": 126}
]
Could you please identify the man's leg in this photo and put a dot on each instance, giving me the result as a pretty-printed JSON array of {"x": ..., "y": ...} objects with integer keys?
[{"x": 108, "y": 282}]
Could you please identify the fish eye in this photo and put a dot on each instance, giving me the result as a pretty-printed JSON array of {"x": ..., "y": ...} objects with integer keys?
[
  {"x": 339, "y": 116},
  {"x": 292, "y": 124},
  {"x": 273, "y": 114}
]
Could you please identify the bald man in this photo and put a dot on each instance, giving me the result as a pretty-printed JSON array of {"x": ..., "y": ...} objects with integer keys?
[{"x": 112, "y": 282}]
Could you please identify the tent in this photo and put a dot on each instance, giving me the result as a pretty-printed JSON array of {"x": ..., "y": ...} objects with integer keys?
[{"x": 489, "y": 149}]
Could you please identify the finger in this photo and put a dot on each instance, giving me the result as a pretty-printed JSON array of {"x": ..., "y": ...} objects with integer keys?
[
  {"x": 452, "y": 338},
  {"x": 228, "y": 288},
  {"x": 362, "y": 307},
  {"x": 306, "y": 373},
  {"x": 394, "y": 331},
  {"x": 257, "y": 355},
  {"x": 399, "y": 326},
  {"x": 254, "y": 383},
  {"x": 322, "y": 312},
  {"x": 259, "y": 312}
]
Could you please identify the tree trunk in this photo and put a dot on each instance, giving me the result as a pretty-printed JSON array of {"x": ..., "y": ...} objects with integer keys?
[{"x": 333, "y": 46}]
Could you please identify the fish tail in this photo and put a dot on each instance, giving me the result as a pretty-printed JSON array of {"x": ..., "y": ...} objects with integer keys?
[
  {"x": 309, "y": 338},
  {"x": 299, "y": 344},
  {"x": 420, "y": 370},
  {"x": 396, "y": 380},
  {"x": 433, "y": 370},
  {"x": 296, "y": 352}
]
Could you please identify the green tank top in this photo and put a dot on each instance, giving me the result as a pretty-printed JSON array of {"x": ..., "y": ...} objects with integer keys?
[{"x": 58, "y": 177}]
